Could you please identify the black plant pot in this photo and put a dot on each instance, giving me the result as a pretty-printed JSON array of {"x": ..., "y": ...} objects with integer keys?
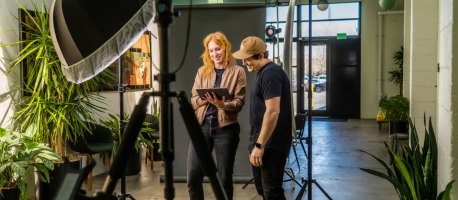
[
  {"x": 134, "y": 165},
  {"x": 398, "y": 127},
  {"x": 45, "y": 191},
  {"x": 10, "y": 194}
]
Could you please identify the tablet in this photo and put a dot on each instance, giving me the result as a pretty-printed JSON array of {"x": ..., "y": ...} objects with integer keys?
[{"x": 219, "y": 92}]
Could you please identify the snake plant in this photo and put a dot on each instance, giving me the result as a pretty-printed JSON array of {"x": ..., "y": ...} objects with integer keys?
[{"x": 414, "y": 173}]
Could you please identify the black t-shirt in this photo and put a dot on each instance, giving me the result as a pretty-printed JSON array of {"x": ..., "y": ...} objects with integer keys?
[
  {"x": 271, "y": 81},
  {"x": 212, "y": 109}
]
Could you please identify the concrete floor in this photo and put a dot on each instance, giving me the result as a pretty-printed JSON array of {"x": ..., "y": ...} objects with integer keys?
[{"x": 336, "y": 163}]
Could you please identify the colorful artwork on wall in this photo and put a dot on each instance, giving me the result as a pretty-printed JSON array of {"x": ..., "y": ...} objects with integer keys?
[{"x": 136, "y": 65}]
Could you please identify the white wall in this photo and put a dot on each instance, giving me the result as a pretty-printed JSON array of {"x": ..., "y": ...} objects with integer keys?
[
  {"x": 423, "y": 62},
  {"x": 446, "y": 125},
  {"x": 392, "y": 40}
]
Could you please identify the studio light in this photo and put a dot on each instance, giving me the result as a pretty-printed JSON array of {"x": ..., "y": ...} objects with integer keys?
[
  {"x": 90, "y": 35},
  {"x": 271, "y": 31},
  {"x": 322, "y": 5}
]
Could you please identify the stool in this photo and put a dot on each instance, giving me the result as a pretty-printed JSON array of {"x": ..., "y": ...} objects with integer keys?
[{"x": 380, "y": 119}]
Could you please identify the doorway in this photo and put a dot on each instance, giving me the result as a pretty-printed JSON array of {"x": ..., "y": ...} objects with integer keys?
[
  {"x": 319, "y": 77},
  {"x": 336, "y": 77}
]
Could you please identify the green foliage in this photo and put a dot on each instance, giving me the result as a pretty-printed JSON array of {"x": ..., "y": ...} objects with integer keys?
[
  {"x": 113, "y": 125},
  {"x": 18, "y": 155},
  {"x": 397, "y": 74},
  {"x": 55, "y": 106},
  {"x": 396, "y": 108},
  {"x": 414, "y": 173}
]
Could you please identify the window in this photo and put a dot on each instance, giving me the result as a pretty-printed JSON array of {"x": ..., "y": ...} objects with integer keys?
[{"x": 338, "y": 18}]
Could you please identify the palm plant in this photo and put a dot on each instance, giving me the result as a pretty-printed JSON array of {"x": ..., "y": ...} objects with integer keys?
[
  {"x": 55, "y": 106},
  {"x": 414, "y": 173},
  {"x": 18, "y": 153},
  {"x": 397, "y": 74},
  {"x": 113, "y": 125}
]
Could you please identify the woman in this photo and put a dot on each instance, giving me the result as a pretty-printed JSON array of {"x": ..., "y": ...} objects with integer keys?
[{"x": 218, "y": 118}]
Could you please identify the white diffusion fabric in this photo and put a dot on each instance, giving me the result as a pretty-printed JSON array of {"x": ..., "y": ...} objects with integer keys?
[{"x": 112, "y": 49}]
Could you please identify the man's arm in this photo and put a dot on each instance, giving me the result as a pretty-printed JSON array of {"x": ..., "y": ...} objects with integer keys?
[{"x": 268, "y": 125}]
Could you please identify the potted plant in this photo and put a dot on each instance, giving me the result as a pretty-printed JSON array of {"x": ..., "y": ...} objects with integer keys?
[
  {"x": 54, "y": 105},
  {"x": 19, "y": 154},
  {"x": 397, "y": 74},
  {"x": 414, "y": 173},
  {"x": 134, "y": 165},
  {"x": 396, "y": 112}
]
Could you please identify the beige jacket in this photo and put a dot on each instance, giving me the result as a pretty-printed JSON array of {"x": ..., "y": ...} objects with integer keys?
[{"x": 234, "y": 79}]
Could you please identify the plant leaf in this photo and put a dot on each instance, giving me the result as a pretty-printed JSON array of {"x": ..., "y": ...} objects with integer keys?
[
  {"x": 49, "y": 164},
  {"x": 406, "y": 172},
  {"x": 445, "y": 195},
  {"x": 32, "y": 145},
  {"x": 23, "y": 187},
  {"x": 18, "y": 169},
  {"x": 403, "y": 191}
]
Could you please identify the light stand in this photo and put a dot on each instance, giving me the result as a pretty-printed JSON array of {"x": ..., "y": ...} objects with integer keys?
[
  {"x": 122, "y": 123},
  {"x": 309, "y": 181}
]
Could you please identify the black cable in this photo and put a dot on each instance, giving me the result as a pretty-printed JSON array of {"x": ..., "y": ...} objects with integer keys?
[{"x": 186, "y": 46}]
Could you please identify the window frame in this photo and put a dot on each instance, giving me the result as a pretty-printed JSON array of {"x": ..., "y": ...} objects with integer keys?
[{"x": 299, "y": 23}]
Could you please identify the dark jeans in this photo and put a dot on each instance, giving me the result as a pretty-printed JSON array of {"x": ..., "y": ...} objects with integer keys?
[
  {"x": 225, "y": 141},
  {"x": 268, "y": 178}
]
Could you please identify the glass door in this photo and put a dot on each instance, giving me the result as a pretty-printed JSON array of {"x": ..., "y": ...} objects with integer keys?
[{"x": 319, "y": 78}]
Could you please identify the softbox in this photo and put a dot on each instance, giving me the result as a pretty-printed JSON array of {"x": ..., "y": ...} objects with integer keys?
[{"x": 89, "y": 35}]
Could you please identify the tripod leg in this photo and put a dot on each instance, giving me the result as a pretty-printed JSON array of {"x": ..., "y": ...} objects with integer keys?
[
  {"x": 302, "y": 145},
  {"x": 292, "y": 176},
  {"x": 247, "y": 183},
  {"x": 297, "y": 160},
  {"x": 131, "y": 197},
  {"x": 301, "y": 192},
  {"x": 201, "y": 148},
  {"x": 322, "y": 190}
]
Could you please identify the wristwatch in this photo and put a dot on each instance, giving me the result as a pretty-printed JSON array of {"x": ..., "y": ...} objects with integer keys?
[
  {"x": 259, "y": 145},
  {"x": 225, "y": 106}
]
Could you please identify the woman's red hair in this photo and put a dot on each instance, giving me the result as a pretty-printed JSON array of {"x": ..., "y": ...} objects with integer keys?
[{"x": 221, "y": 40}]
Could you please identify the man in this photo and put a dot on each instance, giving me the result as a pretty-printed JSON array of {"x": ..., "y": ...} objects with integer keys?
[{"x": 270, "y": 118}]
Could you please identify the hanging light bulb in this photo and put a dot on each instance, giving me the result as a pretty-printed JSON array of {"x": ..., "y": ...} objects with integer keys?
[{"x": 322, "y": 5}]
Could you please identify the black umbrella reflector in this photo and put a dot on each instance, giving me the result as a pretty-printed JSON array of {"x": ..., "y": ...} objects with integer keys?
[{"x": 89, "y": 35}]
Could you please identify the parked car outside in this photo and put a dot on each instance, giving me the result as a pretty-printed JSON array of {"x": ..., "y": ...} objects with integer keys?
[
  {"x": 294, "y": 84},
  {"x": 321, "y": 78},
  {"x": 314, "y": 81},
  {"x": 319, "y": 87}
]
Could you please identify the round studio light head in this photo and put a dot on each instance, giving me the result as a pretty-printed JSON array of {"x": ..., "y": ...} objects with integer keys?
[
  {"x": 322, "y": 5},
  {"x": 270, "y": 31}
]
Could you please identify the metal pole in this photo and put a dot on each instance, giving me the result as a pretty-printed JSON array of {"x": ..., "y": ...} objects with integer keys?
[
  {"x": 121, "y": 117},
  {"x": 163, "y": 20},
  {"x": 309, "y": 105}
]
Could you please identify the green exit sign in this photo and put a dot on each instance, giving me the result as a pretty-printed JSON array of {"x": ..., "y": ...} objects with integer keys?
[{"x": 341, "y": 36}]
